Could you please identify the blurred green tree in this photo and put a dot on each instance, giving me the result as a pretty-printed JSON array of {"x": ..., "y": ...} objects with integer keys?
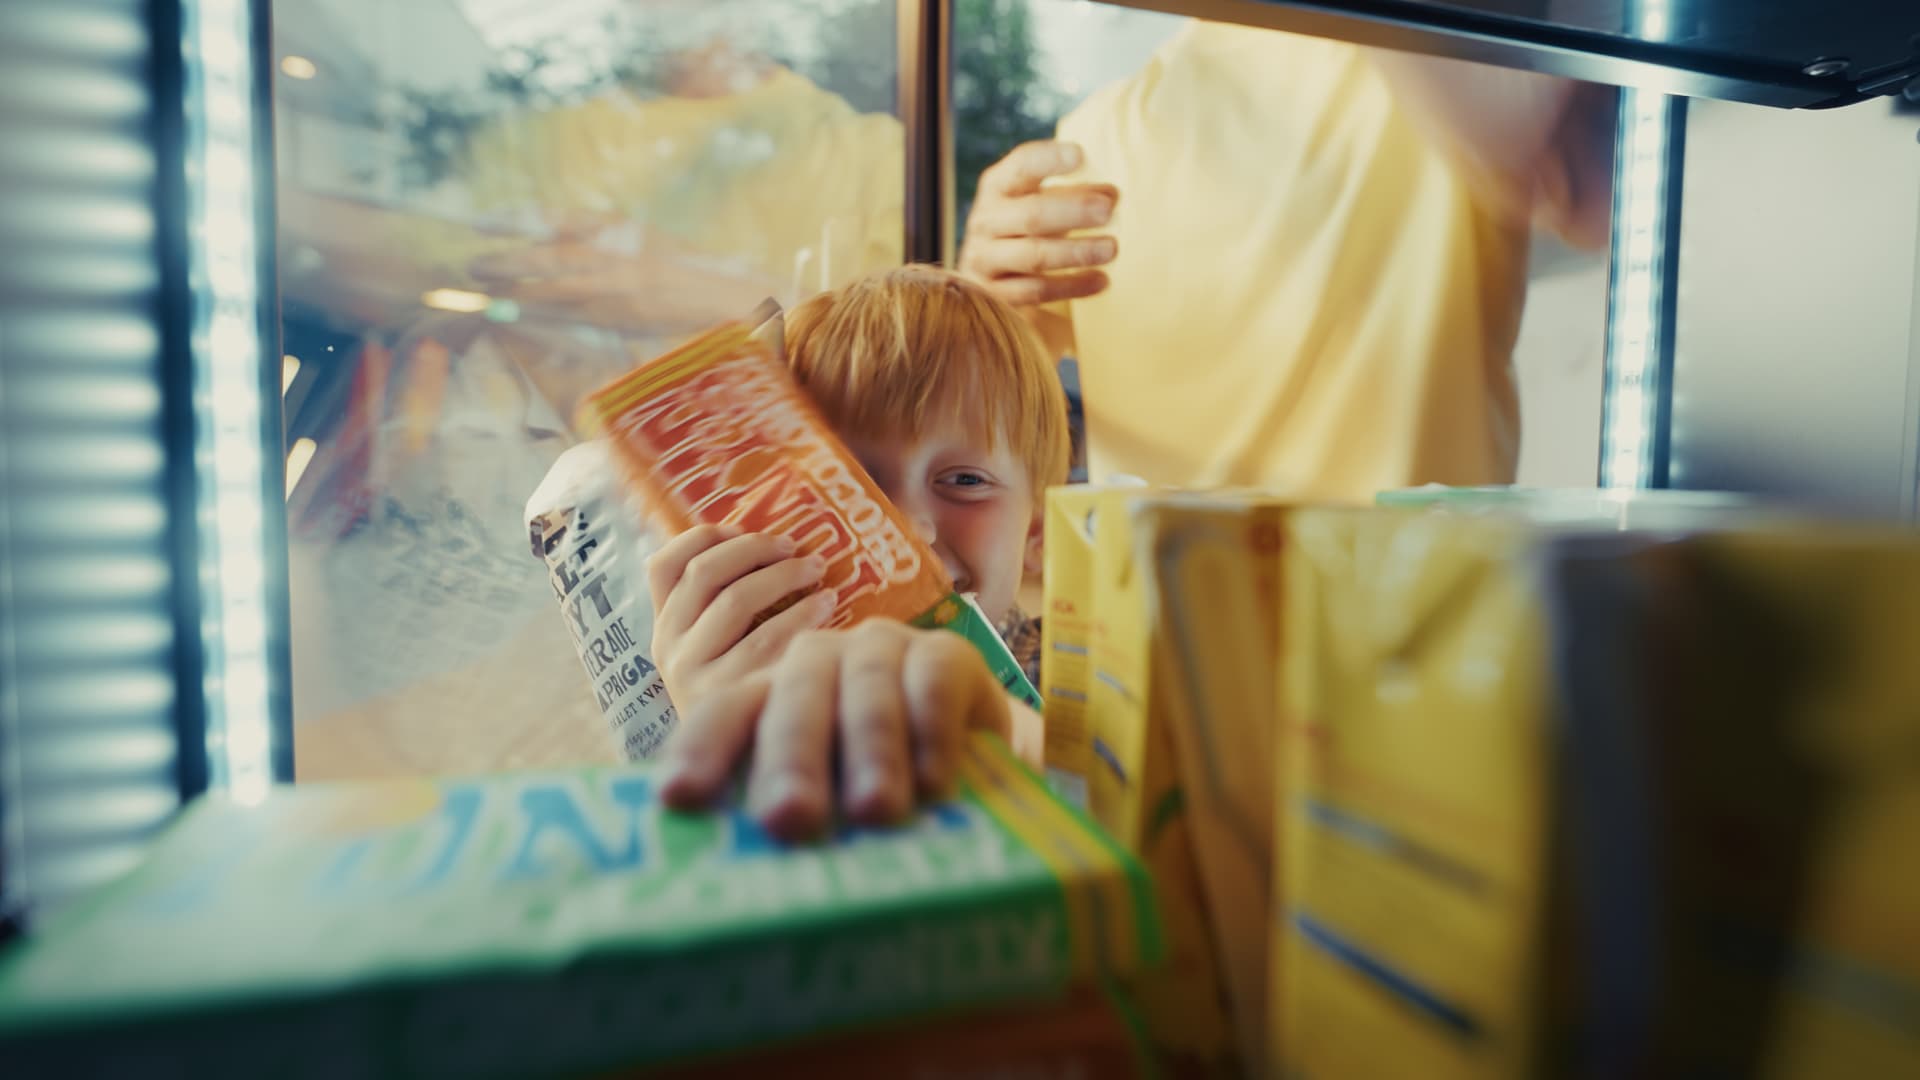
[{"x": 1001, "y": 97}]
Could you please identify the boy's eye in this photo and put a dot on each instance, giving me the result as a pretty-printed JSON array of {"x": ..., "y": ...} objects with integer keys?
[{"x": 966, "y": 478}]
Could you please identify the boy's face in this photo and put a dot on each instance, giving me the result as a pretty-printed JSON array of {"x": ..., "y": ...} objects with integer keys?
[{"x": 974, "y": 505}]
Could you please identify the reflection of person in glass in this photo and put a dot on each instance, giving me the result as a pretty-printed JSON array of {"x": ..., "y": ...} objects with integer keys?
[
  {"x": 593, "y": 233},
  {"x": 1293, "y": 262},
  {"x": 743, "y": 180}
]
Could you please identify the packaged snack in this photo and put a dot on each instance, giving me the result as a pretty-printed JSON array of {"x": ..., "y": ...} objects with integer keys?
[
  {"x": 972, "y": 623},
  {"x": 718, "y": 432},
  {"x": 1135, "y": 788},
  {"x": 593, "y": 545},
  {"x": 1066, "y": 635},
  {"x": 1584, "y": 508},
  {"x": 1413, "y": 826},
  {"x": 1213, "y": 590},
  {"x": 543, "y": 924},
  {"x": 1091, "y": 1034},
  {"x": 1603, "y": 804},
  {"x": 1742, "y": 803}
]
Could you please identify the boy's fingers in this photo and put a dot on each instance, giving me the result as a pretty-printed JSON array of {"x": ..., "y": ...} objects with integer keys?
[
  {"x": 714, "y": 735},
  {"x": 665, "y": 566},
  {"x": 1027, "y": 734},
  {"x": 768, "y": 642},
  {"x": 949, "y": 690},
  {"x": 874, "y": 766},
  {"x": 790, "y": 788},
  {"x": 728, "y": 618},
  {"x": 703, "y": 577}
]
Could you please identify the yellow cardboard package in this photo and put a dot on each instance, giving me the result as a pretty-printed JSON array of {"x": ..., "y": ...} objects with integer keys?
[
  {"x": 1412, "y": 824},
  {"x": 1213, "y": 596},
  {"x": 1131, "y": 773},
  {"x": 1066, "y": 636},
  {"x": 1741, "y": 794},
  {"x": 1605, "y": 805}
]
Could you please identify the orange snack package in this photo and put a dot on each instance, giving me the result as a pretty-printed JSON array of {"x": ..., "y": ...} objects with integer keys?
[{"x": 717, "y": 432}]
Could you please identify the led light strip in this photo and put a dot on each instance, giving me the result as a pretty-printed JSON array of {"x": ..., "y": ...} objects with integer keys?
[
  {"x": 228, "y": 406},
  {"x": 1634, "y": 305}
]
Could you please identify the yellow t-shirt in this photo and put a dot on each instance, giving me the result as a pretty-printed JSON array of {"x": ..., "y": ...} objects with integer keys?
[
  {"x": 1307, "y": 297},
  {"x": 784, "y": 179}
]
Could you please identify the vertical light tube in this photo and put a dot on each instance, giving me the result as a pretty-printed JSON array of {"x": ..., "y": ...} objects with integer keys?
[
  {"x": 1640, "y": 295},
  {"x": 1636, "y": 295},
  {"x": 227, "y": 353}
]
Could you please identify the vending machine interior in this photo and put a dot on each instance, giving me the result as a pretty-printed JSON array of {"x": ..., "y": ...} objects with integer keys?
[{"x": 1762, "y": 328}]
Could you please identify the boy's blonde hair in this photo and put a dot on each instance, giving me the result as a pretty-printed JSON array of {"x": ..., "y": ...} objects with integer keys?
[{"x": 902, "y": 350}]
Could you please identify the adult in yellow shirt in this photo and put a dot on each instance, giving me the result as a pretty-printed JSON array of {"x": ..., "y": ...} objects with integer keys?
[
  {"x": 744, "y": 181},
  {"x": 1315, "y": 277}
]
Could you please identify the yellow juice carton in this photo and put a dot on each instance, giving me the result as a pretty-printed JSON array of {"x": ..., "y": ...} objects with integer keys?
[
  {"x": 1558, "y": 801},
  {"x": 1213, "y": 583},
  {"x": 1066, "y": 636},
  {"x": 1413, "y": 820},
  {"x": 1742, "y": 802},
  {"x": 1134, "y": 788}
]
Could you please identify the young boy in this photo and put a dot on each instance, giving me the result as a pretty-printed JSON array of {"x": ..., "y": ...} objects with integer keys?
[{"x": 948, "y": 399}]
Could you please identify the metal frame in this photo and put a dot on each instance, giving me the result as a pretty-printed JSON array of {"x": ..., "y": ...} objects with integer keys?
[
  {"x": 1909, "y": 106},
  {"x": 1439, "y": 30},
  {"x": 1669, "y": 285},
  {"x": 926, "y": 113},
  {"x": 173, "y": 315},
  {"x": 272, "y": 417}
]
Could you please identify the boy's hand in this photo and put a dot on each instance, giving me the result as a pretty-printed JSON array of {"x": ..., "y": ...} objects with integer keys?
[
  {"x": 882, "y": 706},
  {"x": 708, "y": 585}
]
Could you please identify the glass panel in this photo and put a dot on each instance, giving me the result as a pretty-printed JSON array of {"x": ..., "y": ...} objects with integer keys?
[
  {"x": 1243, "y": 175},
  {"x": 488, "y": 208}
]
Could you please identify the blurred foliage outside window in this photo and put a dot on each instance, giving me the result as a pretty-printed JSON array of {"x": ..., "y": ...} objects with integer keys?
[{"x": 1000, "y": 96}]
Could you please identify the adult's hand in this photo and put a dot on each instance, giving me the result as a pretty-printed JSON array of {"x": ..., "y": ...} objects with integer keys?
[{"x": 1018, "y": 240}]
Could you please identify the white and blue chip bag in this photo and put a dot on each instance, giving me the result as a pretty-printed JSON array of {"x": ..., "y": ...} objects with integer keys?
[{"x": 595, "y": 547}]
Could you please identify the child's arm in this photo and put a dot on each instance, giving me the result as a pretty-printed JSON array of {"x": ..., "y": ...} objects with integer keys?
[{"x": 883, "y": 707}]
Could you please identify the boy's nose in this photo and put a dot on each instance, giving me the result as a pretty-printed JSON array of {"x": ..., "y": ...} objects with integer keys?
[
  {"x": 919, "y": 516},
  {"x": 921, "y": 521},
  {"x": 923, "y": 526}
]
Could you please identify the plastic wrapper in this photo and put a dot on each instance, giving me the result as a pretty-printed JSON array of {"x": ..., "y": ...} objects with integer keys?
[
  {"x": 591, "y": 539},
  {"x": 717, "y": 432}
]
